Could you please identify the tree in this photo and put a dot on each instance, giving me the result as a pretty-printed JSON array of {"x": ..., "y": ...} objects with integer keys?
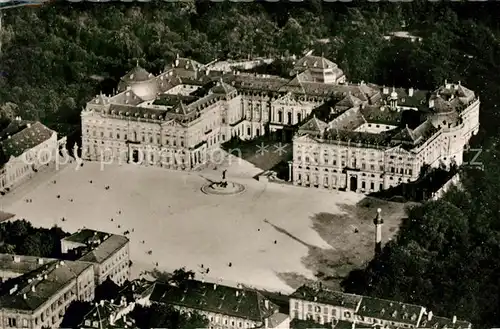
[
  {"x": 180, "y": 275},
  {"x": 108, "y": 290}
]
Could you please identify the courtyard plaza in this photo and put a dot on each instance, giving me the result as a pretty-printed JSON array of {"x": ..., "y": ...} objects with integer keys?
[{"x": 173, "y": 224}]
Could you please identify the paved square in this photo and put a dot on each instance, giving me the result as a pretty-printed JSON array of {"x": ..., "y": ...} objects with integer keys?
[{"x": 185, "y": 227}]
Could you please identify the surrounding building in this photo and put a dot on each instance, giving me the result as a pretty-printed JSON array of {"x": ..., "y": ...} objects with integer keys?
[
  {"x": 25, "y": 146},
  {"x": 223, "y": 306},
  {"x": 109, "y": 253},
  {"x": 325, "y": 306},
  {"x": 37, "y": 291},
  {"x": 370, "y": 145},
  {"x": 370, "y": 139}
]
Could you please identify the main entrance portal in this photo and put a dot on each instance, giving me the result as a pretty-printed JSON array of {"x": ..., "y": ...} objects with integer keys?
[{"x": 354, "y": 183}]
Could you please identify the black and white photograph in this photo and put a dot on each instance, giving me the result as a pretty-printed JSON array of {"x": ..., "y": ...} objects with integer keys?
[{"x": 201, "y": 164}]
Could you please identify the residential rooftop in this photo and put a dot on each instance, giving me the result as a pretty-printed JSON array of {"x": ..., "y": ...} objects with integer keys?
[
  {"x": 99, "y": 246},
  {"x": 31, "y": 290},
  {"x": 238, "y": 302}
]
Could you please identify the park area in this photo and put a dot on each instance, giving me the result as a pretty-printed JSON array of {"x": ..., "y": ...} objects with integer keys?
[{"x": 271, "y": 236}]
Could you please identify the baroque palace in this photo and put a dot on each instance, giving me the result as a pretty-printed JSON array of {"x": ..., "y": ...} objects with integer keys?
[{"x": 359, "y": 137}]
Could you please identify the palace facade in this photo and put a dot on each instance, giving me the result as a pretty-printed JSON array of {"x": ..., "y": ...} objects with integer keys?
[{"x": 361, "y": 137}]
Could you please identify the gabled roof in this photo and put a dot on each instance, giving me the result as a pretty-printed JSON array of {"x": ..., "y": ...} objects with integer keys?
[
  {"x": 24, "y": 140},
  {"x": 46, "y": 281},
  {"x": 222, "y": 88},
  {"x": 390, "y": 310},
  {"x": 241, "y": 303},
  {"x": 314, "y": 125},
  {"x": 349, "y": 101},
  {"x": 405, "y": 135},
  {"x": 106, "y": 249},
  {"x": 326, "y": 296},
  {"x": 437, "y": 322},
  {"x": 314, "y": 62},
  {"x": 137, "y": 74}
]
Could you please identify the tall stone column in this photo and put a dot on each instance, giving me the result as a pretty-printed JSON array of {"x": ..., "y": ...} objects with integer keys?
[{"x": 290, "y": 178}]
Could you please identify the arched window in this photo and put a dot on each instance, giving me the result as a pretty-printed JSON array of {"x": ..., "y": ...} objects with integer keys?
[
  {"x": 289, "y": 118},
  {"x": 280, "y": 116},
  {"x": 299, "y": 117}
]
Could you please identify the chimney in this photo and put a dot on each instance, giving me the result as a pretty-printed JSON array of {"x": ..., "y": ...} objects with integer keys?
[
  {"x": 24, "y": 296},
  {"x": 16, "y": 258},
  {"x": 101, "y": 302},
  {"x": 266, "y": 323},
  {"x": 266, "y": 304},
  {"x": 410, "y": 92},
  {"x": 431, "y": 103},
  {"x": 40, "y": 261},
  {"x": 429, "y": 316},
  {"x": 57, "y": 265},
  {"x": 29, "y": 125},
  {"x": 215, "y": 286},
  {"x": 112, "y": 301},
  {"x": 133, "y": 287},
  {"x": 33, "y": 288},
  {"x": 237, "y": 293},
  {"x": 385, "y": 91},
  {"x": 62, "y": 263},
  {"x": 45, "y": 276},
  {"x": 454, "y": 320},
  {"x": 447, "y": 85}
]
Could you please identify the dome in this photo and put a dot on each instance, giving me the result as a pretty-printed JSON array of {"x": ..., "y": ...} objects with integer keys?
[{"x": 146, "y": 90}]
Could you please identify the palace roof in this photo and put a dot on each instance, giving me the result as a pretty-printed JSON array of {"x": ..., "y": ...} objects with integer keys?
[{"x": 137, "y": 74}]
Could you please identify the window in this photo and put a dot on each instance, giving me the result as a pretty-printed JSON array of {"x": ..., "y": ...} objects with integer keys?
[
  {"x": 317, "y": 309},
  {"x": 363, "y": 184},
  {"x": 12, "y": 322},
  {"x": 309, "y": 308},
  {"x": 110, "y": 134},
  {"x": 289, "y": 119},
  {"x": 248, "y": 131},
  {"x": 297, "y": 303},
  {"x": 372, "y": 185},
  {"x": 280, "y": 116},
  {"x": 299, "y": 117},
  {"x": 325, "y": 310}
]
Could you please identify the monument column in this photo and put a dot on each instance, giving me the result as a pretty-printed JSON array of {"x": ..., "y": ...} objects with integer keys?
[{"x": 378, "y": 221}]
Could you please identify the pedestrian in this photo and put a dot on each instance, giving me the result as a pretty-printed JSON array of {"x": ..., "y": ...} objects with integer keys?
[
  {"x": 275, "y": 242},
  {"x": 230, "y": 264}
]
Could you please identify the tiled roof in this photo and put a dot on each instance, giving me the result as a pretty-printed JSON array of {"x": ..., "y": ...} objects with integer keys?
[
  {"x": 391, "y": 311},
  {"x": 222, "y": 88},
  {"x": 137, "y": 74},
  {"x": 46, "y": 281},
  {"x": 349, "y": 120},
  {"x": 381, "y": 139},
  {"x": 24, "y": 140},
  {"x": 185, "y": 64},
  {"x": 382, "y": 115},
  {"x": 101, "y": 315},
  {"x": 137, "y": 112},
  {"x": 241, "y": 303},
  {"x": 21, "y": 264},
  {"x": 327, "y": 296},
  {"x": 314, "y": 125},
  {"x": 105, "y": 249},
  {"x": 437, "y": 322},
  {"x": 405, "y": 135},
  {"x": 276, "y": 319},
  {"x": 314, "y": 62},
  {"x": 349, "y": 101}
]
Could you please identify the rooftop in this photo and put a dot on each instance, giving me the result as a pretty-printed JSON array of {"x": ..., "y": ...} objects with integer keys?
[
  {"x": 101, "y": 245},
  {"x": 390, "y": 310},
  {"x": 242, "y": 303},
  {"x": 21, "y": 136},
  {"x": 33, "y": 289},
  {"x": 327, "y": 296}
]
